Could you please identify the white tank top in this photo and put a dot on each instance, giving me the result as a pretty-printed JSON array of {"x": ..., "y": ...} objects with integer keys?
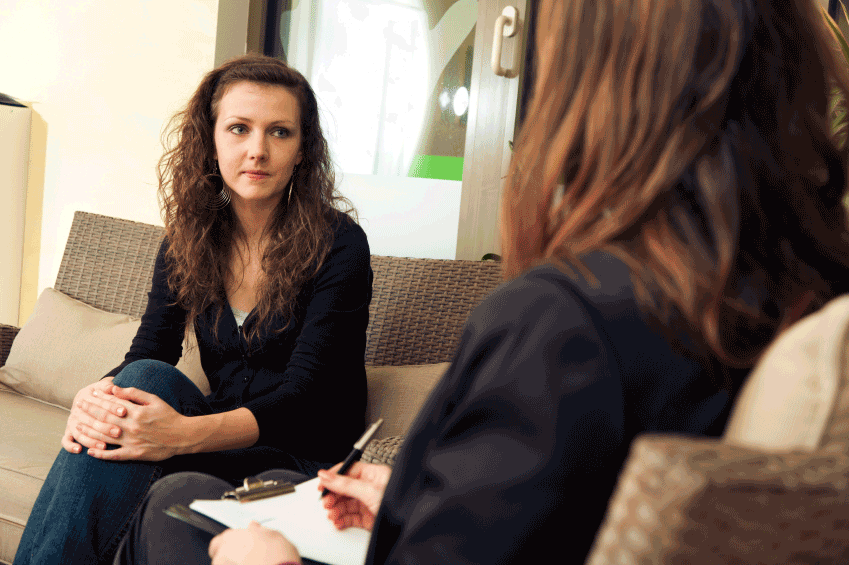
[{"x": 239, "y": 315}]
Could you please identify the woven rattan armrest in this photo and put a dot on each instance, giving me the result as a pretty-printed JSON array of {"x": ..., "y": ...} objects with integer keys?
[
  {"x": 684, "y": 500},
  {"x": 382, "y": 450},
  {"x": 7, "y": 335}
]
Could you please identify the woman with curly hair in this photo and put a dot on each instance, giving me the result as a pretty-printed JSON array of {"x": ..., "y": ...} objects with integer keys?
[
  {"x": 674, "y": 203},
  {"x": 275, "y": 279}
]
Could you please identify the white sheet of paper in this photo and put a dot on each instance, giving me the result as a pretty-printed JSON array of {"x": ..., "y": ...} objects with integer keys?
[{"x": 301, "y": 517}]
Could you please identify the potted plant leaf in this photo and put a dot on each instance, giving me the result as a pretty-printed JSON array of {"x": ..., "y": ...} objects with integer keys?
[{"x": 837, "y": 104}]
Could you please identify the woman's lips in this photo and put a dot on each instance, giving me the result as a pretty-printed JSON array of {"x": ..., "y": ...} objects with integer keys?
[{"x": 256, "y": 175}]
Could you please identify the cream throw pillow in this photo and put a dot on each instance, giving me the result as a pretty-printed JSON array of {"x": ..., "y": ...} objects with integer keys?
[
  {"x": 67, "y": 345},
  {"x": 790, "y": 395},
  {"x": 396, "y": 394}
]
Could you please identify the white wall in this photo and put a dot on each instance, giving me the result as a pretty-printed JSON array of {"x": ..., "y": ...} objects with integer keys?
[
  {"x": 103, "y": 76},
  {"x": 15, "y": 127}
]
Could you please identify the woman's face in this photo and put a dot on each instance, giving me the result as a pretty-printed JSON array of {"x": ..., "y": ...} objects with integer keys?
[{"x": 257, "y": 141}]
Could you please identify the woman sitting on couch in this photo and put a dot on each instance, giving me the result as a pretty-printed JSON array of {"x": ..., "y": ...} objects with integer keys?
[
  {"x": 674, "y": 202},
  {"x": 276, "y": 281}
]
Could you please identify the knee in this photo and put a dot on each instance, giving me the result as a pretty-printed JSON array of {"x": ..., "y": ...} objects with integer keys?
[
  {"x": 152, "y": 537},
  {"x": 139, "y": 373},
  {"x": 155, "y": 377},
  {"x": 179, "y": 488},
  {"x": 183, "y": 488}
]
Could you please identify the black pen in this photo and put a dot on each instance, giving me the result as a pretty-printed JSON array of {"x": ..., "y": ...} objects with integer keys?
[{"x": 357, "y": 451}]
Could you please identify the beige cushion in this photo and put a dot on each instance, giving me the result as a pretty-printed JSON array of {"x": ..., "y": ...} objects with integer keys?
[
  {"x": 790, "y": 394},
  {"x": 396, "y": 393},
  {"x": 67, "y": 345},
  {"x": 773, "y": 490},
  {"x": 30, "y": 435}
]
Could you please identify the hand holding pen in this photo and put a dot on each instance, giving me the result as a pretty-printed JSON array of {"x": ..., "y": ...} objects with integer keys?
[
  {"x": 357, "y": 452},
  {"x": 354, "y": 498}
]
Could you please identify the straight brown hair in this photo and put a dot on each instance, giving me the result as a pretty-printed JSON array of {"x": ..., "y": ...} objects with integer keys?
[{"x": 690, "y": 139}]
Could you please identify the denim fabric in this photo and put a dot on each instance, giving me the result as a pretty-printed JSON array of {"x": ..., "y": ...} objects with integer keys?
[{"x": 86, "y": 504}]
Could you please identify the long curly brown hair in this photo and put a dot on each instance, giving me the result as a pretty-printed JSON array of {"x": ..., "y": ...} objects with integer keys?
[
  {"x": 201, "y": 238},
  {"x": 691, "y": 139}
]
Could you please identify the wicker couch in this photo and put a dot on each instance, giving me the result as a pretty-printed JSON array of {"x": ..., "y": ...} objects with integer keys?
[
  {"x": 417, "y": 311},
  {"x": 773, "y": 490}
]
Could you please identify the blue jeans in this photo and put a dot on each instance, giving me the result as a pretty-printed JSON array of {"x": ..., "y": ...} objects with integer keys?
[{"x": 86, "y": 504}]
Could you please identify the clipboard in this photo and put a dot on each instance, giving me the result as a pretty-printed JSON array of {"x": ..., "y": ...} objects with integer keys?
[
  {"x": 252, "y": 489},
  {"x": 257, "y": 489},
  {"x": 301, "y": 517}
]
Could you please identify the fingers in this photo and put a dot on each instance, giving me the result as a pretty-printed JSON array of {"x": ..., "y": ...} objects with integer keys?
[
  {"x": 91, "y": 412},
  {"x": 100, "y": 439},
  {"x": 368, "y": 489},
  {"x": 98, "y": 412},
  {"x": 78, "y": 434},
  {"x": 95, "y": 422},
  {"x": 327, "y": 480},
  {"x": 106, "y": 401},
  {"x": 342, "y": 484},
  {"x": 349, "y": 512},
  {"x": 254, "y": 544},
  {"x": 73, "y": 440},
  {"x": 104, "y": 385},
  {"x": 215, "y": 544},
  {"x": 120, "y": 454},
  {"x": 69, "y": 445},
  {"x": 355, "y": 471},
  {"x": 321, "y": 486},
  {"x": 128, "y": 453},
  {"x": 134, "y": 395},
  {"x": 359, "y": 470},
  {"x": 354, "y": 521}
]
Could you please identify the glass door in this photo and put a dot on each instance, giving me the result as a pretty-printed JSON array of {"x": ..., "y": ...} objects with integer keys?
[{"x": 396, "y": 86}]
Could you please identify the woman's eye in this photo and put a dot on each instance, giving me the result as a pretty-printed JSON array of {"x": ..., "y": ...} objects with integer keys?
[
  {"x": 238, "y": 129},
  {"x": 282, "y": 132}
]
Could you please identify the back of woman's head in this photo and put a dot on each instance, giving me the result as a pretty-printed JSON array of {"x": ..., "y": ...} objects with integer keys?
[
  {"x": 201, "y": 233},
  {"x": 691, "y": 139}
]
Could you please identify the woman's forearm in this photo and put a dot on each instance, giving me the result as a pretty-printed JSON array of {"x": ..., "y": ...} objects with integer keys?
[{"x": 226, "y": 430}]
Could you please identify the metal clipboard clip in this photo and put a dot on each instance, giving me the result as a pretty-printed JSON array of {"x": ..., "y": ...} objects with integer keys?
[{"x": 256, "y": 489}]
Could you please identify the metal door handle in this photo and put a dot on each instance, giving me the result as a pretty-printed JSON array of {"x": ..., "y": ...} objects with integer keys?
[{"x": 506, "y": 25}]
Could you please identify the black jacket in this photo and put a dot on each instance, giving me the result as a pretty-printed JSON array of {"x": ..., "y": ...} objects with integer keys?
[
  {"x": 306, "y": 385},
  {"x": 516, "y": 452}
]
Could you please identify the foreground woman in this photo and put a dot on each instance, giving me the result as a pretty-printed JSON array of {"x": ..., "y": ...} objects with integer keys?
[{"x": 674, "y": 202}]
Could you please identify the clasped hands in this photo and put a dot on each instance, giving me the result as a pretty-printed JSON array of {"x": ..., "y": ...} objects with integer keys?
[
  {"x": 140, "y": 424},
  {"x": 353, "y": 500}
]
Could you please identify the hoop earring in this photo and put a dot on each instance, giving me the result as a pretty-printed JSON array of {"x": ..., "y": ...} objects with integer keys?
[
  {"x": 222, "y": 199},
  {"x": 291, "y": 187}
]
